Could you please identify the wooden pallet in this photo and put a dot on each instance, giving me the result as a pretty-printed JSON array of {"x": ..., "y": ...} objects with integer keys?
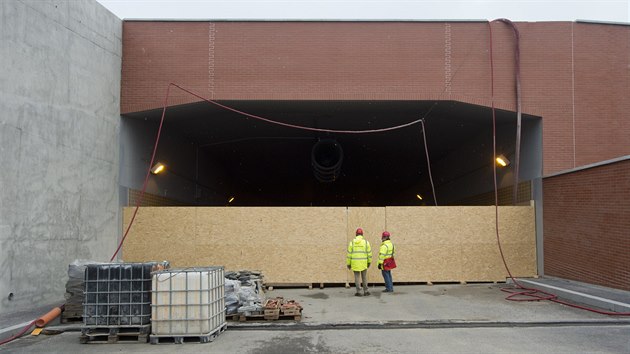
[
  {"x": 310, "y": 286},
  {"x": 271, "y": 286},
  {"x": 290, "y": 308},
  {"x": 111, "y": 334},
  {"x": 254, "y": 318},
  {"x": 181, "y": 339}
]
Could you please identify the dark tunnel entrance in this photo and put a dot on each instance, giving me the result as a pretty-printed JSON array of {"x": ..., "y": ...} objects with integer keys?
[{"x": 214, "y": 155}]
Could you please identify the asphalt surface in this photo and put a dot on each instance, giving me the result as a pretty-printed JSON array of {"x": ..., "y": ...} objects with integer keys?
[{"x": 453, "y": 318}]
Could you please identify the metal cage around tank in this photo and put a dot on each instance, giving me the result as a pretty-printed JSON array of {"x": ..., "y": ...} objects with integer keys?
[{"x": 117, "y": 294}]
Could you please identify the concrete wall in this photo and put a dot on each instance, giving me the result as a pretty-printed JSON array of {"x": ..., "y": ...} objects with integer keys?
[{"x": 59, "y": 127}]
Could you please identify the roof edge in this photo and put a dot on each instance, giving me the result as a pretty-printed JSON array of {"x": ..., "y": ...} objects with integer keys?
[{"x": 609, "y": 23}]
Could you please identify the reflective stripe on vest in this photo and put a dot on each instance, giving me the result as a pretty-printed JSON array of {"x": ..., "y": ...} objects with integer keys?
[{"x": 389, "y": 253}]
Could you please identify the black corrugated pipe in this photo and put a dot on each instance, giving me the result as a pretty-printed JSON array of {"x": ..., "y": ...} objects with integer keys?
[{"x": 326, "y": 159}]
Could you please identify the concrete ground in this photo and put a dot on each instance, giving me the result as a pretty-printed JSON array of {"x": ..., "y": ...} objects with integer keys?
[{"x": 415, "y": 318}]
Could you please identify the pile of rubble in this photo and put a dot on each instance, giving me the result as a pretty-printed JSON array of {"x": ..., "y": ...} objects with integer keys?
[
  {"x": 245, "y": 299},
  {"x": 244, "y": 293}
]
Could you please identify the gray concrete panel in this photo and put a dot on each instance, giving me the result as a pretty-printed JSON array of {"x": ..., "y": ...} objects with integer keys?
[{"x": 60, "y": 121}]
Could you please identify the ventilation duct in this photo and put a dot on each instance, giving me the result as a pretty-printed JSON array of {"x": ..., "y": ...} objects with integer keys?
[{"x": 326, "y": 159}]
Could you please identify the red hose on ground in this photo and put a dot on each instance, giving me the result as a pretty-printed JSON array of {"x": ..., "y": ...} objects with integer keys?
[
  {"x": 40, "y": 322},
  {"x": 19, "y": 334}
]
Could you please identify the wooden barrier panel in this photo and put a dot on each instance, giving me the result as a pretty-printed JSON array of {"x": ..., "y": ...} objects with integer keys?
[
  {"x": 459, "y": 243},
  {"x": 307, "y": 245}
]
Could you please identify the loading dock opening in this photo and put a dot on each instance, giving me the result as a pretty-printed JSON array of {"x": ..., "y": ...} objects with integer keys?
[{"x": 214, "y": 154}]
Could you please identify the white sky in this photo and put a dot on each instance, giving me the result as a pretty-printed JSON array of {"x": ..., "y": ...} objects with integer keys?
[{"x": 516, "y": 10}]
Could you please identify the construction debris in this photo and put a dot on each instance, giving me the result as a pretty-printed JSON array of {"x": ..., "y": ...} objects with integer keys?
[
  {"x": 75, "y": 286},
  {"x": 244, "y": 292}
]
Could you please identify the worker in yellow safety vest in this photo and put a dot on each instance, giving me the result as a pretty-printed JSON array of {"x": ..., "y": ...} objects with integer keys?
[
  {"x": 386, "y": 261},
  {"x": 358, "y": 259}
]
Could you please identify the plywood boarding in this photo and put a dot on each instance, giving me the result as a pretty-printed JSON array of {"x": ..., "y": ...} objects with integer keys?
[
  {"x": 289, "y": 245},
  {"x": 308, "y": 245},
  {"x": 440, "y": 244}
]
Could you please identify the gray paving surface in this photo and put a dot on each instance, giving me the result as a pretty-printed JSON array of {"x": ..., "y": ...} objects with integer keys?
[{"x": 415, "y": 318}]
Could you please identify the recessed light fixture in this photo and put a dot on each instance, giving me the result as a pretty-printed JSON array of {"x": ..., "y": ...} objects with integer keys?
[
  {"x": 502, "y": 161},
  {"x": 157, "y": 168}
]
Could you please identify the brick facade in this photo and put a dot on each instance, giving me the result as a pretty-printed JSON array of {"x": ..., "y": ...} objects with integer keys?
[
  {"x": 587, "y": 225},
  {"x": 574, "y": 75}
]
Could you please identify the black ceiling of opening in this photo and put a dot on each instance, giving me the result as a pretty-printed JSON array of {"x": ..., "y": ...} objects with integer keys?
[{"x": 273, "y": 160}]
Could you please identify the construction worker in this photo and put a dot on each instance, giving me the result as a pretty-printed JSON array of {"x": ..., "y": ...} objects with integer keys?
[
  {"x": 386, "y": 251},
  {"x": 358, "y": 259}
]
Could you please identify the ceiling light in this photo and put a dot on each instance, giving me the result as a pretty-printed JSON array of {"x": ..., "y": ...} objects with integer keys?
[
  {"x": 231, "y": 200},
  {"x": 419, "y": 196},
  {"x": 502, "y": 161},
  {"x": 157, "y": 168}
]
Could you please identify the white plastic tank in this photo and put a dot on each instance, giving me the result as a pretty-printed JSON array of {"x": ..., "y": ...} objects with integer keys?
[{"x": 188, "y": 302}]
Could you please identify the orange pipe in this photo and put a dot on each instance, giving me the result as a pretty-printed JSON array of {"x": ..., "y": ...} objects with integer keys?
[{"x": 51, "y": 315}]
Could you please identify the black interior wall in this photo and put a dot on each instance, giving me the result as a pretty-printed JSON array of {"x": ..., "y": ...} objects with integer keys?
[{"x": 263, "y": 164}]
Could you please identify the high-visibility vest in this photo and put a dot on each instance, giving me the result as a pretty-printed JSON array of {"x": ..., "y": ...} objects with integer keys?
[
  {"x": 359, "y": 255},
  {"x": 385, "y": 251}
]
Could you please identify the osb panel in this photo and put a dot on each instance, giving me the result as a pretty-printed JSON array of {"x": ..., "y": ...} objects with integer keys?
[
  {"x": 469, "y": 232},
  {"x": 308, "y": 245},
  {"x": 482, "y": 262},
  {"x": 289, "y": 245},
  {"x": 159, "y": 234},
  {"x": 425, "y": 261}
]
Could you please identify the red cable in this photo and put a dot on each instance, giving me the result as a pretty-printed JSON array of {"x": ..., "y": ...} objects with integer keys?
[
  {"x": 146, "y": 178},
  {"x": 298, "y": 126},
  {"x": 525, "y": 293},
  {"x": 19, "y": 334},
  {"x": 517, "y": 74},
  {"x": 426, "y": 150}
]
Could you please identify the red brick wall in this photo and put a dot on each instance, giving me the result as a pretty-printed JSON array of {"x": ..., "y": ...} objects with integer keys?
[
  {"x": 156, "y": 53},
  {"x": 586, "y": 225},
  {"x": 574, "y": 75},
  {"x": 602, "y": 92}
]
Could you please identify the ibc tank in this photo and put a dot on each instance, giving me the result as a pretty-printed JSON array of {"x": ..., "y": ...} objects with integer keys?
[
  {"x": 188, "y": 302},
  {"x": 117, "y": 294}
]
